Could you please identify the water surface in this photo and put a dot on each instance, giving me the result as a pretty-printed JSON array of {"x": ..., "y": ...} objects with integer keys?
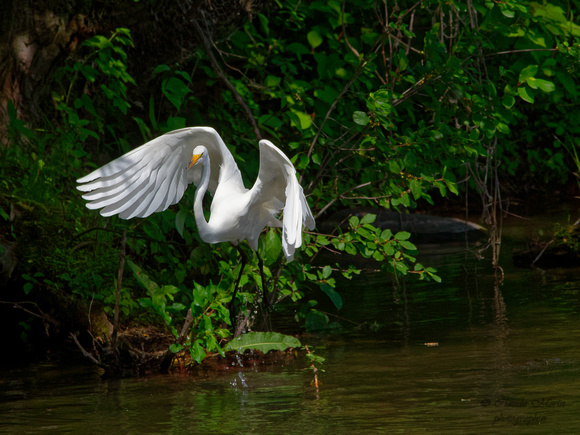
[{"x": 471, "y": 355}]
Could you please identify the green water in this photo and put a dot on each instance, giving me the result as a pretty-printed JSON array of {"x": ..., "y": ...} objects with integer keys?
[{"x": 501, "y": 357}]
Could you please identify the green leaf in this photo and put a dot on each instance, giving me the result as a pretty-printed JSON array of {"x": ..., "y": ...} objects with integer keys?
[
  {"x": 503, "y": 128},
  {"x": 300, "y": 119},
  {"x": 175, "y": 91},
  {"x": 524, "y": 95},
  {"x": 314, "y": 38},
  {"x": 508, "y": 101},
  {"x": 161, "y": 68},
  {"x": 527, "y": 72},
  {"x": 545, "y": 85},
  {"x": 386, "y": 235},
  {"x": 402, "y": 235},
  {"x": 272, "y": 81},
  {"x": 180, "y": 218},
  {"x": 333, "y": 295},
  {"x": 263, "y": 342},
  {"x": 353, "y": 221},
  {"x": 361, "y": 118},
  {"x": 176, "y": 347},
  {"x": 142, "y": 277},
  {"x": 272, "y": 247},
  {"x": 394, "y": 167},
  {"x": 452, "y": 187},
  {"x": 407, "y": 245},
  {"x": 507, "y": 13},
  {"x": 197, "y": 352},
  {"x": 368, "y": 218},
  {"x": 416, "y": 189}
]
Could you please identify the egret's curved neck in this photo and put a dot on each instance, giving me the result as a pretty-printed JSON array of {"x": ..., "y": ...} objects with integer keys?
[{"x": 202, "y": 226}]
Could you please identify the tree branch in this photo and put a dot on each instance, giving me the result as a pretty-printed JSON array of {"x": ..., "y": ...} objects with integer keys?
[{"x": 207, "y": 47}]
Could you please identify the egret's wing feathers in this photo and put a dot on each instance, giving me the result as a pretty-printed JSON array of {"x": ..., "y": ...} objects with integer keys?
[
  {"x": 277, "y": 184},
  {"x": 154, "y": 176}
]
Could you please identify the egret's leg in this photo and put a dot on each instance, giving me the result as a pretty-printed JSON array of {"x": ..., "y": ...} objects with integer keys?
[
  {"x": 232, "y": 302},
  {"x": 265, "y": 299}
]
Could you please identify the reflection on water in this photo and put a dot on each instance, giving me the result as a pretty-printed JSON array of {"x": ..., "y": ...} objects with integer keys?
[{"x": 465, "y": 356}]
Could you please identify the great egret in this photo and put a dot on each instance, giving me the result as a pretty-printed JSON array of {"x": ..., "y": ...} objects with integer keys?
[{"x": 155, "y": 175}]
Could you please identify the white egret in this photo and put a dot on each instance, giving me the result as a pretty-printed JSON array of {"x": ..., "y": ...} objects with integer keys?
[{"x": 155, "y": 175}]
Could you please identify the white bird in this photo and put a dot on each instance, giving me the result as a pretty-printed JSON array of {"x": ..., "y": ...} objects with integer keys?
[{"x": 155, "y": 175}]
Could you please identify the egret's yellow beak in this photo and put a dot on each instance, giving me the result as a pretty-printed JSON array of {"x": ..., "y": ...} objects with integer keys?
[{"x": 194, "y": 160}]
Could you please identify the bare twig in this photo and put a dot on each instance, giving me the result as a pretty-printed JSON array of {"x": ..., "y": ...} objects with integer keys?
[
  {"x": 84, "y": 352},
  {"x": 208, "y": 49},
  {"x": 354, "y": 51},
  {"x": 333, "y": 105},
  {"x": 46, "y": 319},
  {"x": 526, "y": 50},
  {"x": 332, "y": 201}
]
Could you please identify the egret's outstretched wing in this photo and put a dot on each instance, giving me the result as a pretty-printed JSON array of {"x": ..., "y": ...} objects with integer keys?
[
  {"x": 154, "y": 176},
  {"x": 277, "y": 184}
]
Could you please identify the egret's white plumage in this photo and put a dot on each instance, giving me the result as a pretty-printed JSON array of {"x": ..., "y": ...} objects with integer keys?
[{"x": 154, "y": 176}]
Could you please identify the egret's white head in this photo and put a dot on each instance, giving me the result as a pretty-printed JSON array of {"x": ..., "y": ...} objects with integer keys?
[{"x": 199, "y": 153}]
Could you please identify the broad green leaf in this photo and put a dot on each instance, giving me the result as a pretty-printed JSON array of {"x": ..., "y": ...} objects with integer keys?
[
  {"x": 263, "y": 342},
  {"x": 341, "y": 73},
  {"x": 405, "y": 199},
  {"x": 361, "y": 118},
  {"x": 503, "y": 128},
  {"x": 394, "y": 167},
  {"x": 272, "y": 247},
  {"x": 507, "y": 13},
  {"x": 410, "y": 160},
  {"x": 527, "y": 72},
  {"x": 175, "y": 91},
  {"x": 272, "y": 81},
  {"x": 333, "y": 295},
  {"x": 452, "y": 187},
  {"x": 161, "y": 68},
  {"x": 197, "y": 352},
  {"x": 368, "y": 218},
  {"x": 176, "y": 347},
  {"x": 403, "y": 61},
  {"x": 314, "y": 38},
  {"x": 545, "y": 85},
  {"x": 300, "y": 119},
  {"x": 386, "y": 235},
  {"x": 524, "y": 95},
  {"x": 402, "y": 235},
  {"x": 142, "y": 277},
  {"x": 265, "y": 23},
  {"x": 508, "y": 101},
  {"x": 407, "y": 245},
  {"x": 416, "y": 189},
  {"x": 180, "y": 218}
]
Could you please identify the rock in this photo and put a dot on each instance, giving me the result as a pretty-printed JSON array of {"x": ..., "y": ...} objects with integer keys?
[{"x": 424, "y": 228}]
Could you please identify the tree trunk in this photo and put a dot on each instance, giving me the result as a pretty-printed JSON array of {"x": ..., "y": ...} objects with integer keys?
[{"x": 34, "y": 41}]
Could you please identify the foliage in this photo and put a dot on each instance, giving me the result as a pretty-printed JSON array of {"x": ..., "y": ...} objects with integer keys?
[
  {"x": 377, "y": 106},
  {"x": 263, "y": 341}
]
